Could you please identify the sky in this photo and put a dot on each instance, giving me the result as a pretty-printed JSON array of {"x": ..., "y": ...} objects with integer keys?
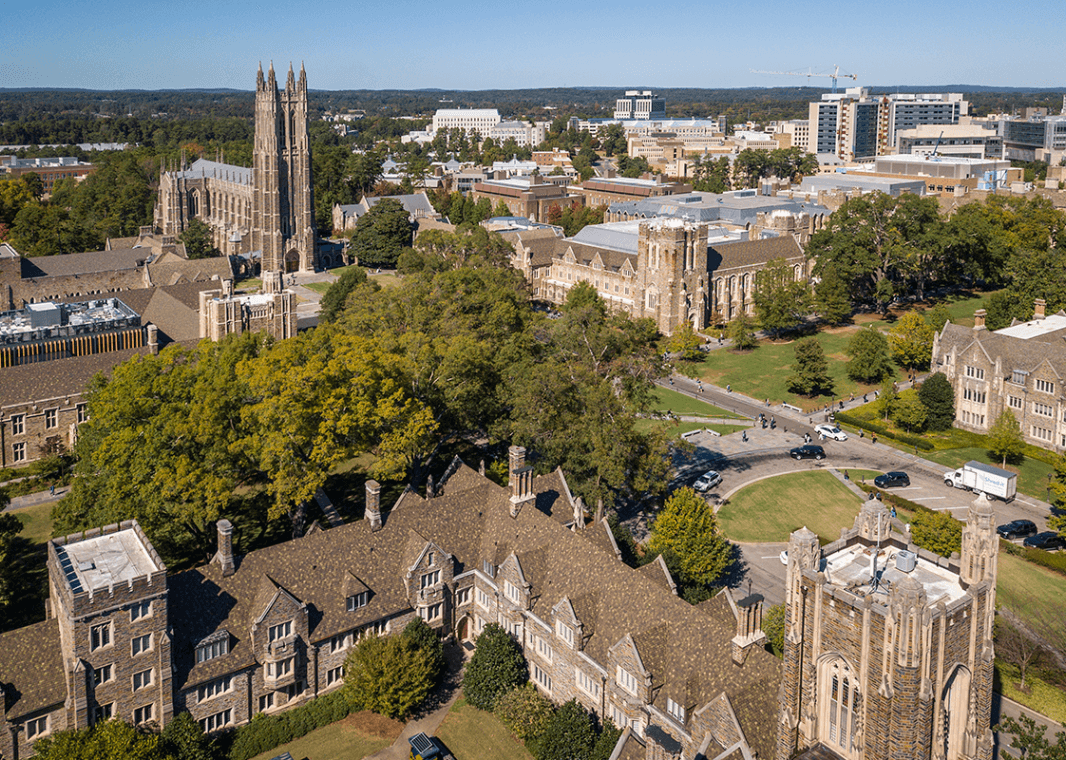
[{"x": 477, "y": 45}]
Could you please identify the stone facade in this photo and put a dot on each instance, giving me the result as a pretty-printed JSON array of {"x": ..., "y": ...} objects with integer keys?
[
  {"x": 1020, "y": 368},
  {"x": 888, "y": 648},
  {"x": 223, "y": 313}
]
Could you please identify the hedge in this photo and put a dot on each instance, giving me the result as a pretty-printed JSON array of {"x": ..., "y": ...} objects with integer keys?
[
  {"x": 268, "y": 731},
  {"x": 1055, "y": 561},
  {"x": 873, "y": 427}
]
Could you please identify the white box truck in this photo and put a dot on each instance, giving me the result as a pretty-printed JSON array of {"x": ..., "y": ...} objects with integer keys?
[{"x": 984, "y": 478}]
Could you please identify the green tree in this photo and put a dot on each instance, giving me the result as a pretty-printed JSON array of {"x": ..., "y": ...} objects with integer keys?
[
  {"x": 781, "y": 302},
  {"x": 1030, "y": 739},
  {"x": 496, "y": 668},
  {"x": 938, "y": 398},
  {"x": 381, "y": 233},
  {"x": 10, "y": 567},
  {"x": 388, "y": 675},
  {"x": 333, "y": 301},
  {"x": 686, "y": 343},
  {"x": 425, "y": 638},
  {"x": 909, "y": 412},
  {"x": 870, "y": 361},
  {"x": 185, "y": 739},
  {"x": 887, "y": 398},
  {"x": 1057, "y": 491},
  {"x": 912, "y": 341},
  {"x": 810, "y": 372},
  {"x": 773, "y": 625},
  {"x": 831, "y": 298},
  {"x": 613, "y": 139},
  {"x": 1037, "y": 273},
  {"x": 1005, "y": 440},
  {"x": 741, "y": 332},
  {"x": 525, "y": 712},
  {"x": 198, "y": 240},
  {"x": 1002, "y": 308},
  {"x": 112, "y": 739},
  {"x": 501, "y": 209},
  {"x": 938, "y": 316},
  {"x": 569, "y": 735},
  {"x": 687, "y": 528},
  {"x": 937, "y": 532}
]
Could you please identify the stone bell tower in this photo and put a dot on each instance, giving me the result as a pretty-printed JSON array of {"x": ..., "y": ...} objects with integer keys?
[{"x": 283, "y": 220}]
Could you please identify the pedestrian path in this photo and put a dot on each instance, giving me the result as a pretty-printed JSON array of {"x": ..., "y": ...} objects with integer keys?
[{"x": 33, "y": 499}]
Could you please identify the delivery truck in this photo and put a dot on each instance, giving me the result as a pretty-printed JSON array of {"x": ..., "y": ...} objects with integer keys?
[{"x": 984, "y": 478}]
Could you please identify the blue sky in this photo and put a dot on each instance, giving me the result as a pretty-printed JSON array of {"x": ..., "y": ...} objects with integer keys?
[{"x": 410, "y": 44}]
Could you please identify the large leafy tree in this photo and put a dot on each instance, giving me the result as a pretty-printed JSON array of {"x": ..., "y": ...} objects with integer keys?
[
  {"x": 938, "y": 397},
  {"x": 1005, "y": 440},
  {"x": 912, "y": 341},
  {"x": 687, "y": 528},
  {"x": 781, "y": 302},
  {"x": 496, "y": 668},
  {"x": 568, "y": 735},
  {"x": 388, "y": 675},
  {"x": 871, "y": 360},
  {"x": 10, "y": 527},
  {"x": 909, "y": 412},
  {"x": 381, "y": 233},
  {"x": 831, "y": 298},
  {"x": 741, "y": 332},
  {"x": 938, "y": 532},
  {"x": 197, "y": 239},
  {"x": 334, "y": 299},
  {"x": 810, "y": 372}
]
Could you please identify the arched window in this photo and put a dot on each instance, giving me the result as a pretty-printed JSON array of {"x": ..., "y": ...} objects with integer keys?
[
  {"x": 840, "y": 707},
  {"x": 954, "y": 712}
]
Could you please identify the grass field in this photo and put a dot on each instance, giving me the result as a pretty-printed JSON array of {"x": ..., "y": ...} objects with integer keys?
[
  {"x": 770, "y": 509},
  {"x": 1029, "y": 589},
  {"x": 680, "y": 404},
  {"x": 472, "y": 734},
  {"x": 677, "y": 429},
  {"x": 318, "y": 287},
  {"x": 1032, "y": 473},
  {"x": 1042, "y": 696},
  {"x": 36, "y": 522},
  {"x": 353, "y": 738}
]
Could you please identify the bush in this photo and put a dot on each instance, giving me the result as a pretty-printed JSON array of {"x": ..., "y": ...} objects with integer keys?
[
  {"x": 268, "y": 731},
  {"x": 882, "y": 431},
  {"x": 568, "y": 735},
  {"x": 525, "y": 712},
  {"x": 937, "y": 532},
  {"x": 773, "y": 625},
  {"x": 389, "y": 675},
  {"x": 426, "y": 639},
  {"x": 497, "y": 667},
  {"x": 1055, "y": 561}
]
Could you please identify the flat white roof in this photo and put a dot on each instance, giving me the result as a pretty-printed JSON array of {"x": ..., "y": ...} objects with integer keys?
[
  {"x": 106, "y": 560},
  {"x": 850, "y": 568},
  {"x": 1035, "y": 328}
]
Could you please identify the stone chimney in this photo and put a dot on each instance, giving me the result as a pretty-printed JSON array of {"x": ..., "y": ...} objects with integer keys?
[
  {"x": 373, "y": 504},
  {"x": 1039, "y": 308},
  {"x": 749, "y": 628},
  {"x": 153, "y": 339},
  {"x": 579, "y": 513},
  {"x": 520, "y": 479},
  {"x": 224, "y": 556},
  {"x": 979, "y": 319}
]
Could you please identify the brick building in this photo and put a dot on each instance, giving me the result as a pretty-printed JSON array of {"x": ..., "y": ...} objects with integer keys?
[
  {"x": 888, "y": 648},
  {"x": 530, "y": 197},
  {"x": 1020, "y": 368},
  {"x": 268, "y": 630},
  {"x": 50, "y": 170},
  {"x": 603, "y": 191}
]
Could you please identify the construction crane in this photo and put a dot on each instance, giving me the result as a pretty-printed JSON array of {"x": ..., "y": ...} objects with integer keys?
[{"x": 811, "y": 73}]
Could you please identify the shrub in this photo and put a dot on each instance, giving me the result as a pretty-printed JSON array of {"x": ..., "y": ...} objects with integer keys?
[
  {"x": 426, "y": 639},
  {"x": 389, "y": 675},
  {"x": 525, "y": 712},
  {"x": 937, "y": 532},
  {"x": 882, "y": 431},
  {"x": 568, "y": 735},
  {"x": 268, "y": 731},
  {"x": 496, "y": 667},
  {"x": 773, "y": 625}
]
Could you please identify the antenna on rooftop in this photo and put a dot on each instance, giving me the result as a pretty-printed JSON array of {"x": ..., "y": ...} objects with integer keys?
[{"x": 875, "y": 582}]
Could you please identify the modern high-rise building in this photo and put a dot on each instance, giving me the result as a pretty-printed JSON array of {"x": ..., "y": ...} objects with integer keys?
[{"x": 640, "y": 104}]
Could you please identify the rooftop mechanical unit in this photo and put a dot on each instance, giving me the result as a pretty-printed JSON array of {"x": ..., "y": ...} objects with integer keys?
[{"x": 905, "y": 561}]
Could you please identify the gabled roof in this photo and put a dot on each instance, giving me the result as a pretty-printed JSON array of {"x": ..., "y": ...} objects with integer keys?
[{"x": 31, "y": 669}]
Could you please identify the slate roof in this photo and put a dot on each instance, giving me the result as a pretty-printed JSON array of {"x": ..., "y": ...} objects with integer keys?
[
  {"x": 31, "y": 668},
  {"x": 54, "y": 379},
  {"x": 93, "y": 262},
  {"x": 1016, "y": 353},
  {"x": 201, "y": 167},
  {"x": 172, "y": 269},
  {"x": 687, "y": 648},
  {"x": 752, "y": 252}
]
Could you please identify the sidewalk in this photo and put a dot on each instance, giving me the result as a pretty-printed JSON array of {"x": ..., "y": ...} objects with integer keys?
[{"x": 33, "y": 499}]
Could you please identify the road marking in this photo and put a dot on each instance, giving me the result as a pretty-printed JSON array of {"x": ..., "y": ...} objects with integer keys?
[
  {"x": 928, "y": 498},
  {"x": 945, "y": 509},
  {"x": 775, "y": 556}
]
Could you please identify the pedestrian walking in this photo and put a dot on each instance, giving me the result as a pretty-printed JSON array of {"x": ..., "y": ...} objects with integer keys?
[
  {"x": 728, "y": 388},
  {"x": 52, "y": 489},
  {"x": 864, "y": 399},
  {"x": 744, "y": 436},
  {"x": 862, "y": 433},
  {"x": 846, "y": 475},
  {"x": 873, "y": 439}
]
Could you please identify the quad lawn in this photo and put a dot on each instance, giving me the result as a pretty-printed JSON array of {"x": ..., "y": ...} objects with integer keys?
[
  {"x": 680, "y": 404},
  {"x": 352, "y": 738},
  {"x": 472, "y": 734},
  {"x": 318, "y": 287},
  {"x": 36, "y": 522},
  {"x": 770, "y": 509}
]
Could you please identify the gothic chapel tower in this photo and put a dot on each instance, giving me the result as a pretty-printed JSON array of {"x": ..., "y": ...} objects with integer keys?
[{"x": 283, "y": 221}]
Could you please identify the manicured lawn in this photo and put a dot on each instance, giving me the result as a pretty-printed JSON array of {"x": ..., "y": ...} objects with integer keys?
[
  {"x": 1030, "y": 589},
  {"x": 677, "y": 429},
  {"x": 472, "y": 734},
  {"x": 385, "y": 279},
  {"x": 318, "y": 287},
  {"x": 770, "y": 509},
  {"x": 763, "y": 372},
  {"x": 1032, "y": 473},
  {"x": 961, "y": 308},
  {"x": 1042, "y": 697},
  {"x": 36, "y": 522},
  {"x": 249, "y": 285},
  {"x": 353, "y": 738},
  {"x": 680, "y": 404}
]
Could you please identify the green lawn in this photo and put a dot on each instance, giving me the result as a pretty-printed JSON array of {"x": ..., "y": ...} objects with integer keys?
[
  {"x": 680, "y": 404},
  {"x": 1030, "y": 589},
  {"x": 248, "y": 286},
  {"x": 1032, "y": 473},
  {"x": 36, "y": 522},
  {"x": 677, "y": 429},
  {"x": 353, "y": 738},
  {"x": 770, "y": 509},
  {"x": 318, "y": 287},
  {"x": 472, "y": 734},
  {"x": 1043, "y": 697},
  {"x": 763, "y": 372}
]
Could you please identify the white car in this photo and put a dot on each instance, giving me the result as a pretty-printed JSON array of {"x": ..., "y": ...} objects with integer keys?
[
  {"x": 784, "y": 557},
  {"x": 831, "y": 431},
  {"x": 707, "y": 481}
]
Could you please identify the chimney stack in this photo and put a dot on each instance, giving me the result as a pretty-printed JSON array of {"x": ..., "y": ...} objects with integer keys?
[
  {"x": 979, "y": 319},
  {"x": 749, "y": 627},
  {"x": 373, "y": 504},
  {"x": 153, "y": 340},
  {"x": 521, "y": 479},
  {"x": 224, "y": 556},
  {"x": 1039, "y": 308}
]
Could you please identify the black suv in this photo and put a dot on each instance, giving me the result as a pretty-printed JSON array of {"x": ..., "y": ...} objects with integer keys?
[
  {"x": 1016, "y": 529},
  {"x": 810, "y": 451},
  {"x": 892, "y": 480},
  {"x": 1048, "y": 541}
]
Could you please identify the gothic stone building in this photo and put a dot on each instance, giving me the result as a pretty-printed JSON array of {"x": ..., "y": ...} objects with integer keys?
[
  {"x": 888, "y": 648},
  {"x": 267, "y": 209},
  {"x": 665, "y": 269},
  {"x": 1021, "y": 368},
  {"x": 262, "y": 632}
]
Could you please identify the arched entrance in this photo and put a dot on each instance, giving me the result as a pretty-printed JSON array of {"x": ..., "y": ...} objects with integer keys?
[{"x": 292, "y": 261}]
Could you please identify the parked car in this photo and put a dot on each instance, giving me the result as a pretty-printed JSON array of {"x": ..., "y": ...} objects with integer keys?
[
  {"x": 810, "y": 451},
  {"x": 1016, "y": 529},
  {"x": 831, "y": 431},
  {"x": 1049, "y": 541},
  {"x": 707, "y": 481},
  {"x": 894, "y": 479}
]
